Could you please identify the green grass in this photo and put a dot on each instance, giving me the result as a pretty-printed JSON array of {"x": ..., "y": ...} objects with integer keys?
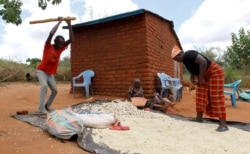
[{"x": 11, "y": 71}]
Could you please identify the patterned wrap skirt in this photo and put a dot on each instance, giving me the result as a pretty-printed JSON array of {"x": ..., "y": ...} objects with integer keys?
[{"x": 210, "y": 97}]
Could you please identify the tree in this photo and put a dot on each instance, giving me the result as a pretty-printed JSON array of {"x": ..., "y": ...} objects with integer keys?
[
  {"x": 11, "y": 9},
  {"x": 238, "y": 54},
  {"x": 33, "y": 61},
  {"x": 214, "y": 54},
  {"x": 65, "y": 62},
  {"x": 209, "y": 54}
]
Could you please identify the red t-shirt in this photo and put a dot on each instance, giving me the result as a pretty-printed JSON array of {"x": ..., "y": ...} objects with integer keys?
[{"x": 50, "y": 60}]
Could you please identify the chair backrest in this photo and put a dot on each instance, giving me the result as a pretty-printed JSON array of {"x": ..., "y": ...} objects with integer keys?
[
  {"x": 171, "y": 81},
  {"x": 87, "y": 75},
  {"x": 235, "y": 85},
  {"x": 165, "y": 76},
  {"x": 163, "y": 79}
]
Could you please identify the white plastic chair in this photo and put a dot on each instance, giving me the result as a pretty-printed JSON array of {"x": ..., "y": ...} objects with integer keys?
[
  {"x": 86, "y": 82},
  {"x": 168, "y": 83}
]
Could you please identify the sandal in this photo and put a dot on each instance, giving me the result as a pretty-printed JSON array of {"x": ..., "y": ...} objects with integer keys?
[
  {"x": 118, "y": 126},
  {"x": 195, "y": 120},
  {"x": 147, "y": 109}
]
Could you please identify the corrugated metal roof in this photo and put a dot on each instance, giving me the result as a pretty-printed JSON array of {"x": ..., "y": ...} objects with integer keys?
[
  {"x": 110, "y": 18},
  {"x": 123, "y": 16},
  {"x": 116, "y": 17}
]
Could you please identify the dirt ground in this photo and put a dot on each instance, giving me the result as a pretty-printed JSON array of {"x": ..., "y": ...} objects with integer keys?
[{"x": 19, "y": 137}]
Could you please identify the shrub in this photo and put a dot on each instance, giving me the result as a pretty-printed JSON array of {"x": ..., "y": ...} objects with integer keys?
[{"x": 12, "y": 71}]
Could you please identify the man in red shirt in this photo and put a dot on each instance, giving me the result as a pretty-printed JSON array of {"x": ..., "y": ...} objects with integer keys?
[{"x": 48, "y": 66}]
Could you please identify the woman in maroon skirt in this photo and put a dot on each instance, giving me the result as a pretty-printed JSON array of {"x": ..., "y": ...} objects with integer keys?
[{"x": 209, "y": 78}]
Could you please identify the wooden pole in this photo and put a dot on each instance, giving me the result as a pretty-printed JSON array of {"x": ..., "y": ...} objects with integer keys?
[{"x": 50, "y": 20}]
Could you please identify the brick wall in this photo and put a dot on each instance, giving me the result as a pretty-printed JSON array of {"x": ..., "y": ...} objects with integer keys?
[
  {"x": 121, "y": 50},
  {"x": 160, "y": 41}
]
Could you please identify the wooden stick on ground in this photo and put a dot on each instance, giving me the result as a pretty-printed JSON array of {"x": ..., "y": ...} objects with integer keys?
[
  {"x": 50, "y": 20},
  {"x": 9, "y": 76}
]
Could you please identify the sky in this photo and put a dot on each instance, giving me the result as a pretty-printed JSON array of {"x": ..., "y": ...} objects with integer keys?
[{"x": 198, "y": 23}]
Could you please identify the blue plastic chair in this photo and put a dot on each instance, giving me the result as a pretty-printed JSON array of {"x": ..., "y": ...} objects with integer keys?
[
  {"x": 168, "y": 83},
  {"x": 86, "y": 82},
  {"x": 234, "y": 88}
]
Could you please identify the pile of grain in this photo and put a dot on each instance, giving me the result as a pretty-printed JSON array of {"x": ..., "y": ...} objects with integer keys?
[{"x": 157, "y": 133}]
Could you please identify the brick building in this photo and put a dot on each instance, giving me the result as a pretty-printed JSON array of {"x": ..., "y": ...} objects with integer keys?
[{"x": 122, "y": 47}]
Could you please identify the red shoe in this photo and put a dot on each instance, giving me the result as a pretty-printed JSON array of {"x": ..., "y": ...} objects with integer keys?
[
  {"x": 147, "y": 109},
  {"x": 118, "y": 126}
]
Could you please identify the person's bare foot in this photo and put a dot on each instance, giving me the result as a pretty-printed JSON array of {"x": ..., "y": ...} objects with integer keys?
[
  {"x": 165, "y": 108},
  {"x": 222, "y": 129},
  {"x": 172, "y": 104},
  {"x": 196, "y": 120}
]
